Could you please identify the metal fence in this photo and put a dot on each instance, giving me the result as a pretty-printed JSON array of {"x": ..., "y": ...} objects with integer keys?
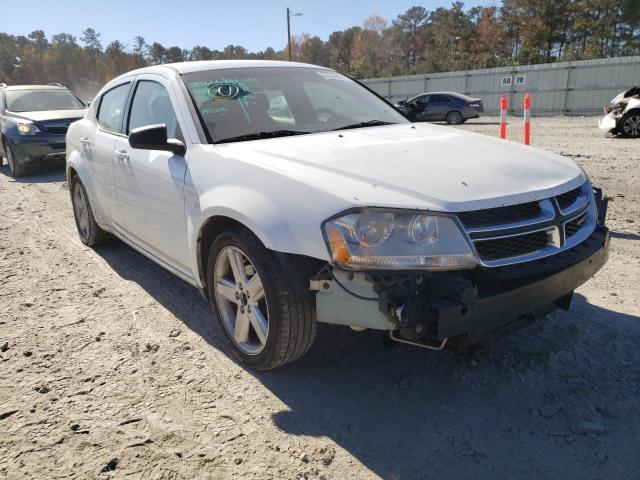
[{"x": 569, "y": 88}]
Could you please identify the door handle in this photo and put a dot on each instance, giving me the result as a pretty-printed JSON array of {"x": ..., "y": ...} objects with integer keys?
[
  {"x": 85, "y": 141},
  {"x": 122, "y": 155}
]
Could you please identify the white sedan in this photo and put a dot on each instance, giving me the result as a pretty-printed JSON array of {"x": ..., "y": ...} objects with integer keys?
[{"x": 290, "y": 194}]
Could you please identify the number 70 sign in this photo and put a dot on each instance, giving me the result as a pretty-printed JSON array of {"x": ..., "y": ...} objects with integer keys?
[{"x": 507, "y": 81}]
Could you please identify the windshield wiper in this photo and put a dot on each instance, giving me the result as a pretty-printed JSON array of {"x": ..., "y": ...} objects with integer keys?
[
  {"x": 261, "y": 135},
  {"x": 369, "y": 123}
]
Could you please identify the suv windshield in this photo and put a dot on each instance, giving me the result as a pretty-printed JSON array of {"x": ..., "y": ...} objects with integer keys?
[
  {"x": 39, "y": 100},
  {"x": 250, "y": 103}
]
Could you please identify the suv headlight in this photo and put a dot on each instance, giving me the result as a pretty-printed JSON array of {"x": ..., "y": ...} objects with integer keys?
[
  {"x": 27, "y": 128},
  {"x": 392, "y": 240}
]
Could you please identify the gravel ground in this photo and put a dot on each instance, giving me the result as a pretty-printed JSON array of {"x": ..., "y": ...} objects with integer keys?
[{"x": 109, "y": 367}]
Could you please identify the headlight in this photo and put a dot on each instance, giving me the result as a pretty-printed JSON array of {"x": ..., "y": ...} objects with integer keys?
[
  {"x": 383, "y": 239},
  {"x": 27, "y": 129}
]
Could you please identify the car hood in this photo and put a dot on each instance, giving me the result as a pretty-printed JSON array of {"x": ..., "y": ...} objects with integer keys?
[
  {"x": 415, "y": 166},
  {"x": 49, "y": 115}
]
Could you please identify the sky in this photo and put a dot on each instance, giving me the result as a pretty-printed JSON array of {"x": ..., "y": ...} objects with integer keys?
[{"x": 253, "y": 24}]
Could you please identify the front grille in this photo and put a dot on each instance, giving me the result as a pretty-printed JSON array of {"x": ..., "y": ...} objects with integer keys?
[
  {"x": 507, "y": 247},
  {"x": 574, "y": 226},
  {"x": 532, "y": 230},
  {"x": 57, "y": 130},
  {"x": 500, "y": 215},
  {"x": 58, "y": 127},
  {"x": 565, "y": 200}
]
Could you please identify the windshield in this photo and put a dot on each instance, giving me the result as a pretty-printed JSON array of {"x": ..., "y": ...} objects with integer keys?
[
  {"x": 250, "y": 103},
  {"x": 42, "y": 100}
]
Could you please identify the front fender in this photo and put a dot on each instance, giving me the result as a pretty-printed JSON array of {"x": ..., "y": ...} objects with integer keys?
[{"x": 249, "y": 207}]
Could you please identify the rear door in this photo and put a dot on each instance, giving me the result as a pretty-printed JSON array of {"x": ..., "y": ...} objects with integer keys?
[
  {"x": 97, "y": 144},
  {"x": 437, "y": 107},
  {"x": 150, "y": 184}
]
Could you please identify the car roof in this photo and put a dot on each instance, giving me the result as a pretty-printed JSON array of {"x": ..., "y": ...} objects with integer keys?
[
  {"x": 203, "y": 65},
  {"x": 453, "y": 94}
]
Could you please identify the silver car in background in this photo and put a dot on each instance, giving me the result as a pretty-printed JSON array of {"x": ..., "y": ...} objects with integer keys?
[{"x": 622, "y": 115}]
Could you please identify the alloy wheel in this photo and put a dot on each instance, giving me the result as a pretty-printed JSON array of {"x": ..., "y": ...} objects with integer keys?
[
  {"x": 241, "y": 300},
  {"x": 81, "y": 210},
  {"x": 631, "y": 126},
  {"x": 454, "y": 118}
]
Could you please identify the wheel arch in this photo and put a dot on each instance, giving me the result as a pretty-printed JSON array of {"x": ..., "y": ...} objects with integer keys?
[{"x": 212, "y": 226}]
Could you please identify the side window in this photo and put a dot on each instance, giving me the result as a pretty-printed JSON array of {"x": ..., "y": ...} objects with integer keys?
[
  {"x": 438, "y": 99},
  {"x": 151, "y": 105},
  {"x": 111, "y": 109}
]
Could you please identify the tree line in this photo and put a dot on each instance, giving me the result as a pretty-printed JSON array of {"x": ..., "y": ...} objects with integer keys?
[{"x": 518, "y": 32}]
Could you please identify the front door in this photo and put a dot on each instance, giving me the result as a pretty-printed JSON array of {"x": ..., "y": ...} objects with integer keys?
[{"x": 150, "y": 184}]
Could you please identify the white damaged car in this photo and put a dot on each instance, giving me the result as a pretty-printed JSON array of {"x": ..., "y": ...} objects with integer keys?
[
  {"x": 290, "y": 194},
  {"x": 622, "y": 115}
]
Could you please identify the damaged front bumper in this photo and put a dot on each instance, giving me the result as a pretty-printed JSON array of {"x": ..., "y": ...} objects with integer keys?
[
  {"x": 460, "y": 308},
  {"x": 608, "y": 123}
]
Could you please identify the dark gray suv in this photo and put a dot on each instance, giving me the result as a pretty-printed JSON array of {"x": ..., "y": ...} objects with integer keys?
[
  {"x": 453, "y": 108},
  {"x": 33, "y": 122}
]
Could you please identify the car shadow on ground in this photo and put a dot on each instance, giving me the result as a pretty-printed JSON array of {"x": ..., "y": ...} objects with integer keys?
[
  {"x": 625, "y": 235},
  {"x": 408, "y": 413},
  {"x": 45, "y": 174}
]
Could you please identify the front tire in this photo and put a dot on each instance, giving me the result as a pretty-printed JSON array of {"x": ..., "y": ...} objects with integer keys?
[
  {"x": 257, "y": 309},
  {"x": 454, "y": 118},
  {"x": 89, "y": 231},
  {"x": 630, "y": 125},
  {"x": 16, "y": 169}
]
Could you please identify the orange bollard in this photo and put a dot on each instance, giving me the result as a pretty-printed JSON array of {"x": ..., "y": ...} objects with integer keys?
[
  {"x": 527, "y": 119},
  {"x": 503, "y": 117}
]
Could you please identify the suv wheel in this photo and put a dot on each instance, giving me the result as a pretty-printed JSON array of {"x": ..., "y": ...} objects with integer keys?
[
  {"x": 16, "y": 169},
  {"x": 630, "y": 125},
  {"x": 454, "y": 118},
  {"x": 89, "y": 231},
  {"x": 256, "y": 308}
]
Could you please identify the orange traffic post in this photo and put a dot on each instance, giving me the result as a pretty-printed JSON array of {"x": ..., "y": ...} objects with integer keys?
[
  {"x": 527, "y": 119},
  {"x": 503, "y": 117}
]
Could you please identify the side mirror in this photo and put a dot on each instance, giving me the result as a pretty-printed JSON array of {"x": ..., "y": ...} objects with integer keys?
[
  {"x": 154, "y": 137},
  {"x": 402, "y": 103}
]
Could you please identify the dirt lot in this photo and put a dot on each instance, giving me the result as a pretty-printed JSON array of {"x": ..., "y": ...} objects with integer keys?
[{"x": 109, "y": 367}]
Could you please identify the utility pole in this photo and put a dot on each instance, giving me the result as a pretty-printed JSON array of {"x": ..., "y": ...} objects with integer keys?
[
  {"x": 289, "y": 15},
  {"x": 289, "y": 31},
  {"x": 454, "y": 47}
]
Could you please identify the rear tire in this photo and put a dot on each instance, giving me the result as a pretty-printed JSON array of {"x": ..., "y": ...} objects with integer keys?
[
  {"x": 454, "y": 118},
  {"x": 281, "y": 327},
  {"x": 16, "y": 169},
  {"x": 630, "y": 125},
  {"x": 89, "y": 231}
]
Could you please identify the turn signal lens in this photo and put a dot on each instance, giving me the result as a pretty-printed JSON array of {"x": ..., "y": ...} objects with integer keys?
[{"x": 338, "y": 246}]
